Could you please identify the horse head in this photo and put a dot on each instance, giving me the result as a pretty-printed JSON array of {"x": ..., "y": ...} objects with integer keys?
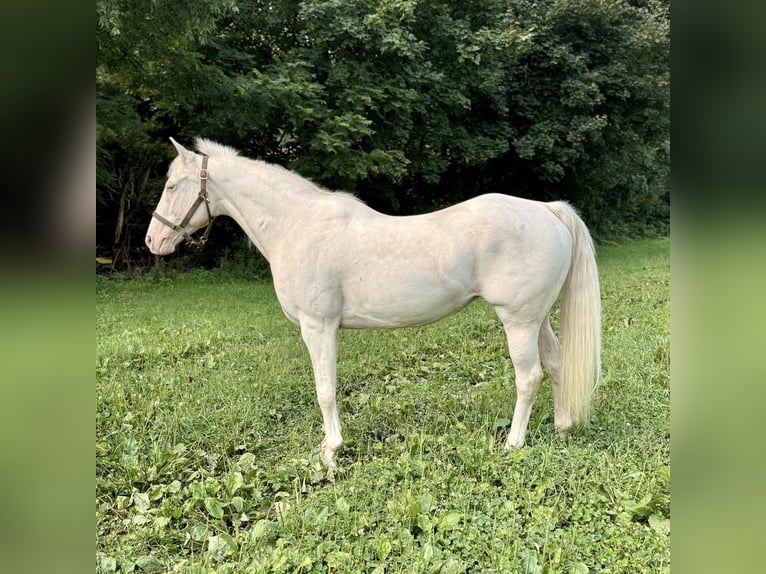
[{"x": 184, "y": 206}]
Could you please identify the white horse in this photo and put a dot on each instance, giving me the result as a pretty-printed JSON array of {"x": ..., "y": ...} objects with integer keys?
[{"x": 338, "y": 263}]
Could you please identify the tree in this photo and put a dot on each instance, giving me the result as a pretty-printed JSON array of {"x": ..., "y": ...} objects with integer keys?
[{"x": 590, "y": 103}]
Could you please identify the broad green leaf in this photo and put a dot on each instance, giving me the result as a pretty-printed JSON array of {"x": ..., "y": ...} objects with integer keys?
[
  {"x": 426, "y": 502},
  {"x": 108, "y": 564},
  {"x": 337, "y": 560},
  {"x": 149, "y": 564},
  {"x": 427, "y": 552},
  {"x": 450, "y": 520},
  {"x": 382, "y": 548},
  {"x": 638, "y": 509},
  {"x": 156, "y": 492},
  {"x": 229, "y": 540},
  {"x": 530, "y": 564},
  {"x": 246, "y": 461},
  {"x": 237, "y": 503},
  {"x": 141, "y": 502},
  {"x": 659, "y": 523},
  {"x": 342, "y": 506},
  {"x": 160, "y": 522},
  {"x": 233, "y": 482},
  {"x": 314, "y": 517},
  {"x": 199, "y": 532},
  {"x": 260, "y": 530},
  {"x": 219, "y": 547},
  {"x": 214, "y": 508},
  {"x": 502, "y": 423}
]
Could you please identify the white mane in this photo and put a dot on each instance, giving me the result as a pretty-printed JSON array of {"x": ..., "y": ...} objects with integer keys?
[{"x": 214, "y": 149}]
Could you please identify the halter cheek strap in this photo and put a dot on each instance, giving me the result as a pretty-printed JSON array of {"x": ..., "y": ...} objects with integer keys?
[{"x": 201, "y": 198}]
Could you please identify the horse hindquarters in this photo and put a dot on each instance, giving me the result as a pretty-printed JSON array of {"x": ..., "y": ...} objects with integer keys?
[
  {"x": 560, "y": 263},
  {"x": 524, "y": 266}
]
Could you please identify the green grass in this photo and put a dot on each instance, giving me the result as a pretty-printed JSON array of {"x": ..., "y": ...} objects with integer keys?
[{"x": 207, "y": 434}]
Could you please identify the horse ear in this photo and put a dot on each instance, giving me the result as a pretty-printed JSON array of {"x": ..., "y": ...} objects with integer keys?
[{"x": 185, "y": 154}]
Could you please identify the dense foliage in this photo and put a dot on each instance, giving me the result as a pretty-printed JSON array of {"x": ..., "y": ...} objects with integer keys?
[{"x": 411, "y": 104}]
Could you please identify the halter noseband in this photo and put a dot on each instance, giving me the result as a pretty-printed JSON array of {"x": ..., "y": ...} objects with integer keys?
[{"x": 201, "y": 198}]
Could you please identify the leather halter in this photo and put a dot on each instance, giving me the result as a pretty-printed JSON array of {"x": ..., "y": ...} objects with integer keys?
[{"x": 201, "y": 198}]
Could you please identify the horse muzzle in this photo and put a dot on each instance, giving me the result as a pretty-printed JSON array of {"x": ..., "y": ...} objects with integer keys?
[{"x": 160, "y": 244}]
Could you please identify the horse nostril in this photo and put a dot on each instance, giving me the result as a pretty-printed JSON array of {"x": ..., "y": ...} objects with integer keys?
[{"x": 149, "y": 240}]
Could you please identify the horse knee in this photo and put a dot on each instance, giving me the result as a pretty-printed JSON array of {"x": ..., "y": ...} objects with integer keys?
[
  {"x": 326, "y": 401},
  {"x": 326, "y": 397},
  {"x": 528, "y": 382}
]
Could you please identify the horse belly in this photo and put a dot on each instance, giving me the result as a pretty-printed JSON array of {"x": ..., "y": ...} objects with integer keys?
[{"x": 411, "y": 301}]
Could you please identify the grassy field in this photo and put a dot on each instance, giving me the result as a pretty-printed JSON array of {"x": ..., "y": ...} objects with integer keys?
[{"x": 207, "y": 434}]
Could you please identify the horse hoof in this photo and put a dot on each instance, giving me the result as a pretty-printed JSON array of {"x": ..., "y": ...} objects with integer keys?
[
  {"x": 510, "y": 445},
  {"x": 328, "y": 457},
  {"x": 329, "y": 461},
  {"x": 328, "y": 452}
]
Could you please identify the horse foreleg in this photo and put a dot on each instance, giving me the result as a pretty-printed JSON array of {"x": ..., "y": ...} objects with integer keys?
[{"x": 321, "y": 338}]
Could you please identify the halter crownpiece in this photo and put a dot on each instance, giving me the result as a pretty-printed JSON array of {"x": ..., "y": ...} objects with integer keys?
[{"x": 201, "y": 198}]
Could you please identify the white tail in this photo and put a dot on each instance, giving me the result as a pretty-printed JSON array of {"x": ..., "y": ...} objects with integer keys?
[{"x": 580, "y": 330}]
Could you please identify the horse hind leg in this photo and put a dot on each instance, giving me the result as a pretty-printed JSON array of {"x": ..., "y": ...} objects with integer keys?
[
  {"x": 523, "y": 348},
  {"x": 550, "y": 353}
]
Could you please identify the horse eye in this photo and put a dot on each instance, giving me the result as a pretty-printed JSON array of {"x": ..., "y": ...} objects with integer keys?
[{"x": 171, "y": 187}]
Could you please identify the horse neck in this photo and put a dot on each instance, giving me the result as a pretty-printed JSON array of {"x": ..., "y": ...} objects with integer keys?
[{"x": 264, "y": 200}]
